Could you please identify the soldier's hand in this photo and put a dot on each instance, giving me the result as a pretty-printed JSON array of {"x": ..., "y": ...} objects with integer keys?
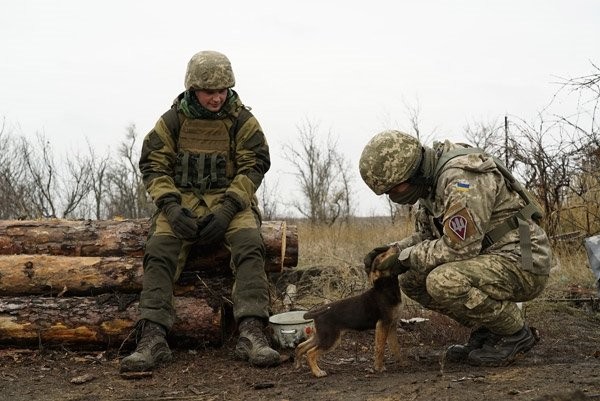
[
  {"x": 393, "y": 264},
  {"x": 370, "y": 257},
  {"x": 213, "y": 226},
  {"x": 183, "y": 221}
]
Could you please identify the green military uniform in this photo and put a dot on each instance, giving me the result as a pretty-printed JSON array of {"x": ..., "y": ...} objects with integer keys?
[
  {"x": 202, "y": 164},
  {"x": 212, "y": 157}
]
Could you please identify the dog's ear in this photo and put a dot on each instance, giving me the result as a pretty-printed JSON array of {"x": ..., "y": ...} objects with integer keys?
[
  {"x": 393, "y": 250},
  {"x": 375, "y": 273}
]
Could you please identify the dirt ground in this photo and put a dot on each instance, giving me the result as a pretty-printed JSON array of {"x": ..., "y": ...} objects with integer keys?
[{"x": 565, "y": 364}]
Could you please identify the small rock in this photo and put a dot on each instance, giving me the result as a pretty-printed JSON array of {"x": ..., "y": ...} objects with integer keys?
[{"x": 83, "y": 378}]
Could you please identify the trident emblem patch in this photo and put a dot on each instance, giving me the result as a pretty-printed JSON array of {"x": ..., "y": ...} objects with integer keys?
[{"x": 458, "y": 225}]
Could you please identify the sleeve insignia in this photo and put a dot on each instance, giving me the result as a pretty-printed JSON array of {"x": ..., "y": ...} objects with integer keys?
[{"x": 459, "y": 224}]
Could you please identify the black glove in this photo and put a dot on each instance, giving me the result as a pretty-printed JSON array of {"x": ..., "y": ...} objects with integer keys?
[
  {"x": 393, "y": 264},
  {"x": 183, "y": 221},
  {"x": 370, "y": 257},
  {"x": 212, "y": 227}
]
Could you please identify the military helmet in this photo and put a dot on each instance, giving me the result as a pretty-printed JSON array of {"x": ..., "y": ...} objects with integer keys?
[
  {"x": 209, "y": 70},
  {"x": 390, "y": 158}
]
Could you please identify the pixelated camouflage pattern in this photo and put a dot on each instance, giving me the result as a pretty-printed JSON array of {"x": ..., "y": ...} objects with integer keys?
[
  {"x": 209, "y": 70},
  {"x": 390, "y": 157},
  {"x": 482, "y": 291},
  {"x": 474, "y": 182},
  {"x": 455, "y": 276}
]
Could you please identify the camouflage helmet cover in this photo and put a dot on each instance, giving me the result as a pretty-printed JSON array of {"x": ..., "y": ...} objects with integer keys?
[
  {"x": 390, "y": 158},
  {"x": 209, "y": 70}
]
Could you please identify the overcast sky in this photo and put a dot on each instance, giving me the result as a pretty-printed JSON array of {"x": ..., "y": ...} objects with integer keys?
[{"x": 82, "y": 71}]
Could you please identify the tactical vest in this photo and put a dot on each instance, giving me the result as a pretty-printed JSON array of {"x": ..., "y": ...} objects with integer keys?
[
  {"x": 531, "y": 210},
  {"x": 205, "y": 150}
]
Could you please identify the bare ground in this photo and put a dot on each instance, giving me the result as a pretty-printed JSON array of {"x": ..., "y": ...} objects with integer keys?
[{"x": 565, "y": 365}]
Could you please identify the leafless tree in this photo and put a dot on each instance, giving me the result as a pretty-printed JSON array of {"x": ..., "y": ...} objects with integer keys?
[
  {"x": 543, "y": 159},
  {"x": 583, "y": 129},
  {"x": 267, "y": 199},
  {"x": 14, "y": 198},
  {"x": 75, "y": 186},
  {"x": 486, "y": 135},
  {"x": 52, "y": 190},
  {"x": 323, "y": 175},
  {"x": 127, "y": 195},
  {"x": 99, "y": 184}
]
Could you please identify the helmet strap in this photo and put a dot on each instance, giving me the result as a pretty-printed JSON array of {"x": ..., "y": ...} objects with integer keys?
[{"x": 424, "y": 173}]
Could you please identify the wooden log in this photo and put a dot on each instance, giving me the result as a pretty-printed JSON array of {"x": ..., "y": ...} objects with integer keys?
[
  {"x": 50, "y": 275},
  {"x": 126, "y": 238},
  {"x": 79, "y": 275},
  {"x": 73, "y": 237},
  {"x": 102, "y": 320}
]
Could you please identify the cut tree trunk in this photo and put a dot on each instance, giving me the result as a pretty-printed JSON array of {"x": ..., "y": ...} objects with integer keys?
[
  {"x": 78, "y": 260},
  {"x": 72, "y": 275},
  {"x": 99, "y": 320},
  {"x": 126, "y": 238}
]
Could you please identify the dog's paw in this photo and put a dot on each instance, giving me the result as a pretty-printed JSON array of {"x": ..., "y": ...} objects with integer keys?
[
  {"x": 319, "y": 373},
  {"x": 379, "y": 368}
]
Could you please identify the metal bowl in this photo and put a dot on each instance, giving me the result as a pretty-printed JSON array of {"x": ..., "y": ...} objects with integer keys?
[{"x": 290, "y": 328}]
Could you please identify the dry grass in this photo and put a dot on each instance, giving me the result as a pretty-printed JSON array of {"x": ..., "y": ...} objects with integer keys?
[
  {"x": 570, "y": 273},
  {"x": 339, "y": 250},
  {"x": 336, "y": 253}
]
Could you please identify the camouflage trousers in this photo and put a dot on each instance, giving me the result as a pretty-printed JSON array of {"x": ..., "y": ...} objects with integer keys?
[
  {"x": 165, "y": 256},
  {"x": 482, "y": 291}
]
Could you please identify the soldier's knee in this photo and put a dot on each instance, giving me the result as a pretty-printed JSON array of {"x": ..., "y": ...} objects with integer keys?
[
  {"x": 162, "y": 251},
  {"x": 247, "y": 241},
  {"x": 445, "y": 283}
]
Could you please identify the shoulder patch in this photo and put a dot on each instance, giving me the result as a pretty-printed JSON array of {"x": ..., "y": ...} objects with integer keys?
[{"x": 458, "y": 224}]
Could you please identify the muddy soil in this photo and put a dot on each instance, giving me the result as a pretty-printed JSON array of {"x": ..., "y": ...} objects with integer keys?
[{"x": 564, "y": 365}]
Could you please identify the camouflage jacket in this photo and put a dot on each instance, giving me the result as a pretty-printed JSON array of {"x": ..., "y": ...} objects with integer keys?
[
  {"x": 469, "y": 199},
  {"x": 250, "y": 157}
]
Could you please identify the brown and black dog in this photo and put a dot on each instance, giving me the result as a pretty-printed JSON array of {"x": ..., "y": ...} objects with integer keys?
[{"x": 376, "y": 309}]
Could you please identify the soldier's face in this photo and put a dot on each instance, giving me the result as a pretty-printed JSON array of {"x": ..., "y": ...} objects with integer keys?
[
  {"x": 211, "y": 99},
  {"x": 400, "y": 189},
  {"x": 406, "y": 193}
]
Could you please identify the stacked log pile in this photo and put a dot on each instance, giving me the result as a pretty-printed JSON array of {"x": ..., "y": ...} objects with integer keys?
[{"x": 67, "y": 281}]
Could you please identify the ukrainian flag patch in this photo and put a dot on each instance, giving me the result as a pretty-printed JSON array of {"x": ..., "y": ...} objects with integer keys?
[{"x": 463, "y": 186}]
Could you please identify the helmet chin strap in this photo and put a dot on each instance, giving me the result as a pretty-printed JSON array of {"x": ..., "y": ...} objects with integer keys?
[{"x": 424, "y": 173}]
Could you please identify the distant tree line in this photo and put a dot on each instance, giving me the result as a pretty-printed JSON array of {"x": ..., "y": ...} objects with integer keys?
[
  {"x": 556, "y": 156},
  {"x": 34, "y": 184}
]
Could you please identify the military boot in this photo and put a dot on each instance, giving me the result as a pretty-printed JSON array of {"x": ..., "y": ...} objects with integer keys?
[
  {"x": 152, "y": 348},
  {"x": 504, "y": 351},
  {"x": 460, "y": 352},
  {"x": 252, "y": 345}
]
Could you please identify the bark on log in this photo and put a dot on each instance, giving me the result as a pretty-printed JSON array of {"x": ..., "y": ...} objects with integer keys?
[
  {"x": 67, "y": 275},
  {"x": 42, "y": 258},
  {"x": 112, "y": 238},
  {"x": 50, "y": 275},
  {"x": 98, "y": 320}
]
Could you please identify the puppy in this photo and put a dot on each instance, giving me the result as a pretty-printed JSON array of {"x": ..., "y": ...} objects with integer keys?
[{"x": 377, "y": 308}]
